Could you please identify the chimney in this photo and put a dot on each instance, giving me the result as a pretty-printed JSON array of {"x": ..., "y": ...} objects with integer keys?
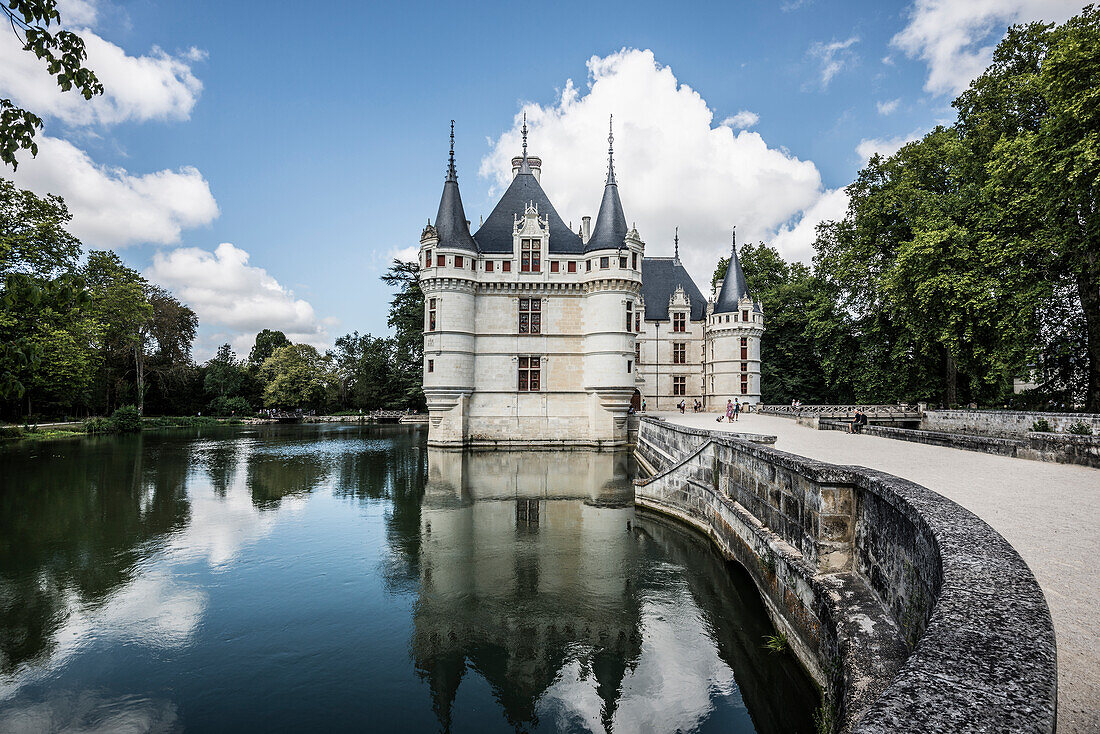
[
  {"x": 533, "y": 162},
  {"x": 586, "y": 228}
]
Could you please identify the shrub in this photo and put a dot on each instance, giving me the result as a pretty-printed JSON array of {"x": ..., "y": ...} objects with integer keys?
[
  {"x": 236, "y": 405},
  {"x": 127, "y": 419},
  {"x": 1041, "y": 426},
  {"x": 99, "y": 425},
  {"x": 11, "y": 432},
  {"x": 1080, "y": 428}
]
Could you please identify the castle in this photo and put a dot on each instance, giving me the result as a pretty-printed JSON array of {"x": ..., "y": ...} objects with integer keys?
[{"x": 535, "y": 335}]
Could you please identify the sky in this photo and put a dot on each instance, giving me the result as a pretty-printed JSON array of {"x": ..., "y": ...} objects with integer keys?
[{"x": 266, "y": 161}]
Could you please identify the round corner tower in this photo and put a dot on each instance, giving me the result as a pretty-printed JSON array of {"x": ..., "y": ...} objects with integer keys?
[{"x": 734, "y": 326}]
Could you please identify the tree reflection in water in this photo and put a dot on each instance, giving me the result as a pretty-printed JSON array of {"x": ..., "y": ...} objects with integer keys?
[{"x": 161, "y": 581}]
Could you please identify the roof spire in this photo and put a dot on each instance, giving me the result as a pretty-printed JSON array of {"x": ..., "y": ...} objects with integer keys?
[
  {"x": 676, "y": 240},
  {"x": 452, "y": 175},
  {"x": 733, "y": 248},
  {"x": 610, "y": 150},
  {"x": 524, "y": 167}
]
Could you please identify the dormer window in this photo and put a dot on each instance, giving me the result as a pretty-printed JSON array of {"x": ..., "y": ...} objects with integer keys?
[
  {"x": 679, "y": 322},
  {"x": 530, "y": 255},
  {"x": 745, "y": 315}
]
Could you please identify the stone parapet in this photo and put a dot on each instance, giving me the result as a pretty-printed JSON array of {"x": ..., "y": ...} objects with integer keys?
[
  {"x": 912, "y": 613},
  {"x": 1002, "y": 422}
]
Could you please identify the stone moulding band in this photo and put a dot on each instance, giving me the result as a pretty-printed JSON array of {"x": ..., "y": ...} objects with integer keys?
[{"x": 912, "y": 612}]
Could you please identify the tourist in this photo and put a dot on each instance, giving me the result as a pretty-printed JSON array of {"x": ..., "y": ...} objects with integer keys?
[
  {"x": 858, "y": 422},
  {"x": 729, "y": 411},
  {"x": 736, "y": 410},
  {"x": 643, "y": 405},
  {"x": 682, "y": 406}
]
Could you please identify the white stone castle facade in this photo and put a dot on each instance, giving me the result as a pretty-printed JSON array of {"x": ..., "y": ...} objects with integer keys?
[{"x": 535, "y": 335}]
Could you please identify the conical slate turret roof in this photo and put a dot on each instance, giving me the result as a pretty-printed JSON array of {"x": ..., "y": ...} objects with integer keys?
[
  {"x": 610, "y": 229},
  {"x": 450, "y": 220},
  {"x": 734, "y": 286}
]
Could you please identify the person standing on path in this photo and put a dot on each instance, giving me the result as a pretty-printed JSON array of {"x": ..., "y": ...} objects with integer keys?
[{"x": 729, "y": 411}]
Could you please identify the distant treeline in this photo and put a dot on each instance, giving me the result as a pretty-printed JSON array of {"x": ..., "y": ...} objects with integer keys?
[
  {"x": 966, "y": 259},
  {"x": 80, "y": 339}
]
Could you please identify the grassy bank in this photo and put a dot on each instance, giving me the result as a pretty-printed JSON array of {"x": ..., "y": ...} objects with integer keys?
[{"x": 125, "y": 423}]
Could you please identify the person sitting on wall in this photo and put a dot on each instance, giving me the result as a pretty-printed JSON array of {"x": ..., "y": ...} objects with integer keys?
[{"x": 858, "y": 422}]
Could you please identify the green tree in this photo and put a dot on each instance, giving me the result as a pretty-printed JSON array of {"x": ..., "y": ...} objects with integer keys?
[
  {"x": 1033, "y": 117},
  {"x": 366, "y": 367},
  {"x": 407, "y": 320},
  {"x": 38, "y": 259},
  {"x": 63, "y": 54},
  {"x": 297, "y": 376},
  {"x": 267, "y": 341}
]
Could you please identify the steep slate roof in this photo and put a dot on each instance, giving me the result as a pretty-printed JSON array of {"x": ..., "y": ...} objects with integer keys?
[
  {"x": 450, "y": 220},
  {"x": 660, "y": 277},
  {"x": 495, "y": 235},
  {"x": 610, "y": 229},
  {"x": 734, "y": 286}
]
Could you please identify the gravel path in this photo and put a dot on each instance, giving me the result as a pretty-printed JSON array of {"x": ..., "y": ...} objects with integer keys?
[{"x": 1048, "y": 512}]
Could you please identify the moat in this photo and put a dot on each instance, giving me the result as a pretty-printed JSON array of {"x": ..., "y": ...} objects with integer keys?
[{"x": 349, "y": 578}]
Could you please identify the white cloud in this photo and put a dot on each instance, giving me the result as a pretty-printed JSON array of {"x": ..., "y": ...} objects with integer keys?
[
  {"x": 956, "y": 39},
  {"x": 742, "y": 120},
  {"x": 82, "y": 13},
  {"x": 834, "y": 57},
  {"x": 158, "y": 86},
  {"x": 674, "y": 166},
  {"x": 888, "y": 107},
  {"x": 235, "y": 300},
  {"x": 796, "y": 240},
  {"x": 111, "y": 207},
  {"x": 885, "y": 147}
]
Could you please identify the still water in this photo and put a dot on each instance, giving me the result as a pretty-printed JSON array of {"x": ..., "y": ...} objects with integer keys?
[{"x": 300, "y": 578}]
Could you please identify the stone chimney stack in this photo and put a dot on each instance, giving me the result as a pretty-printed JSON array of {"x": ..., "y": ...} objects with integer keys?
[
  {"x": 586, "y": 228},
  {"x": 533, "y": 162}
]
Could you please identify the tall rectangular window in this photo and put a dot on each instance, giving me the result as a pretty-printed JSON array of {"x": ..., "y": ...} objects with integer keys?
[
  {"x": 572, "y": 266},
  {"x": 458, "y": 261},
  {"x": 441, "y": 260},
  {"x": 427, "y": 258},
  {"x": 744, "y": 384},
  {"x": 629, "y": 365},
  {"x": 431, "y": 314},
  {"x": 744, "y": 366},
  {"x": 530, "y": 256},
  {"x": 605, "y": 263},
  {"x": 622, "y": 262},
  {"x": 588, "y": 265},
  {"x": 679, "y": 353},
  {"x": 530, "y": 372},
  {"x": 679, "y": 385},
  {"x": 488, "y": 266},
  {"x": 744, "y": 315},
  {"x": 431, "y": 365},
  {"x": 679, "y": 322},
  {"x": 638, "y": 352},
  {"x": 638, "y": 322},
  {"x": 744, "y": 347},
  {"x": 629, "y": 314},
  {"x": 554, "y": 266},
  {"x": 634, "y": 260},
  {"x": 530, "y": 316},
  {"x": 507, "y": 266}
]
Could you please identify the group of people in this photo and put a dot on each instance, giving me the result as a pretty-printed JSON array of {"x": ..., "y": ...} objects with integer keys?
[{"x": 695, "y": 408}]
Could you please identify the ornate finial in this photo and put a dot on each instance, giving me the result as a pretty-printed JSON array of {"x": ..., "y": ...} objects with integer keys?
[
  {"x": 452, "y": 175},
  {"x": 524, "y": 131},
  {"x": 610, "y": 150},
  {"x": 676, "y": 240},
  {"x": 733, "y": 249}
]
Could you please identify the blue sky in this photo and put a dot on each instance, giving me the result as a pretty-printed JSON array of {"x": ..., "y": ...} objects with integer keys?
[{"x": 313, "y": 137}]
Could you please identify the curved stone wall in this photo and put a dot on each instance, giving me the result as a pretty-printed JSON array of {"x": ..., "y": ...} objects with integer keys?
[{"x": 912, "y": 613}]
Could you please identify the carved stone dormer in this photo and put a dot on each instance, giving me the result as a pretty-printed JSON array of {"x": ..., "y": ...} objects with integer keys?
[
  {"x": 679, "y": 300},
  {"x": 428, "y": 234}
]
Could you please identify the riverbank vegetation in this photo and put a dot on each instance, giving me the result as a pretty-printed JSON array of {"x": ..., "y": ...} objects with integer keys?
[
  {"x": 967, "y": 259},
  {"x": 82, "y": 334}
]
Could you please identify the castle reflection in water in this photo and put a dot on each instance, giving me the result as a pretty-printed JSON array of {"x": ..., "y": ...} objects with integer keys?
[
  {"x": 536, "y": 575},
  {"x": 525, "y": 568}
]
